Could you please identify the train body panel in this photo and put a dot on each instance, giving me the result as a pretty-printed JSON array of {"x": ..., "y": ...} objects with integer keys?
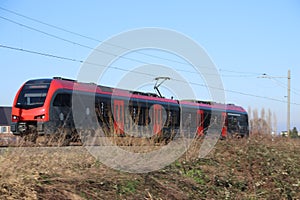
[{"x": 46, "y": 105}]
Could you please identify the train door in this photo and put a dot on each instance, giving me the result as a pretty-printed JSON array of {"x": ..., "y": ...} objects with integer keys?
[
  {"x": 119, "y": 116},
  {"x": 200, "y": 122},
  {"x": 224, "y": 126},
  {"x": 157, "y": 117}
]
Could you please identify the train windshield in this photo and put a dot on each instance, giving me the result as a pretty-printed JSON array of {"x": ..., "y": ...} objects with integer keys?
[
  {"x": 237, "y": 119},
  {"x": 243, "y": 120},
  {"x": 32, "y": 96}
]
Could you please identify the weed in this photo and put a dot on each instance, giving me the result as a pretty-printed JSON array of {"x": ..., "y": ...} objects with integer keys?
[
  {"x": 126, "y": 187},
  {"x": 197, "y": 175},
  {"x": 260, "y": 167}
]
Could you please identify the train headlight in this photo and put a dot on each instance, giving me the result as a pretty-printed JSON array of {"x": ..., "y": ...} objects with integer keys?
[
  {"x": 39, "y": 117},
  {"x": 14, "y": 117}
]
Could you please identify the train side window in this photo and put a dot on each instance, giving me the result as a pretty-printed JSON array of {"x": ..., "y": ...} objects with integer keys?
[
  {"x": 141, "y": 115},
  {"x": 62, "y": 100},
  {"x": 174, "y": 118}
]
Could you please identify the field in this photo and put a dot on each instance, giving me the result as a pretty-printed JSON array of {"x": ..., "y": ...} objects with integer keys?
[{"x": 260, "y": 167}]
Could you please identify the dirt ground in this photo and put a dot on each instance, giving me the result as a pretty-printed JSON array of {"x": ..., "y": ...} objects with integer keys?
[{"x": 260, "y": 167}]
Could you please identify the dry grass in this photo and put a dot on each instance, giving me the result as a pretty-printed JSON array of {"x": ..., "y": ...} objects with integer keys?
[{"x": 260, "y": 167}]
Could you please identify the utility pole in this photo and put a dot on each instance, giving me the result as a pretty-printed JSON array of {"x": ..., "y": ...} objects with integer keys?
[
  {"x": 289, "y": 103},
  {"x": 288, "y": 120}
]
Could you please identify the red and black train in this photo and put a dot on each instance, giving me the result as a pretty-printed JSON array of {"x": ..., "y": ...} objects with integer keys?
[{"x": 47, "y": 106}]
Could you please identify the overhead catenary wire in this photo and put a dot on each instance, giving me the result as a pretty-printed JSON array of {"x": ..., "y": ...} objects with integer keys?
[
  {"x": 284, "y": 85},
  {"x": 81, "y": 35},
  {"x": 141, "y": 73},
  {"x": 91, "y": 48},
  {"x": 50, "y": 25},
  {"x": 40, "y": 53},
  {"x": 240, "y": 74},
  {"x": 114, "y": 45},
  {"x": 83, "y": 45},
  {"x": 280, "y": 83}
]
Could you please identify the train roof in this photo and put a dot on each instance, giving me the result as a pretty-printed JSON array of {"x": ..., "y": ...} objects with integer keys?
[
  {"x": 213, "y": 105},
  {"x": 92, "y": 87}
]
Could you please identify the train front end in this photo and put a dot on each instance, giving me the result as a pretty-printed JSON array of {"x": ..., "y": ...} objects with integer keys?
[{"x": 30, "y": 110}]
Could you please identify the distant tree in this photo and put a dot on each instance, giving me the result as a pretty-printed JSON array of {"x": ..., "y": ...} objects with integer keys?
[
  {"x": 254, "y": 122},
  {"x": 249, "y": 112},
  {"x": 294, "y": 133},
  {"x": 275, "y": 123},
  {"x": 255, "y": 114},
  {"x": 262, "y": 124},
  {"x": 262, "y": 113},
  {"x": 269, "y": 121}
]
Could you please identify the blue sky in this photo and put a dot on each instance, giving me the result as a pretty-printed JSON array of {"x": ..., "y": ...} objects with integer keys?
[{"x": 243, "y": 38}]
